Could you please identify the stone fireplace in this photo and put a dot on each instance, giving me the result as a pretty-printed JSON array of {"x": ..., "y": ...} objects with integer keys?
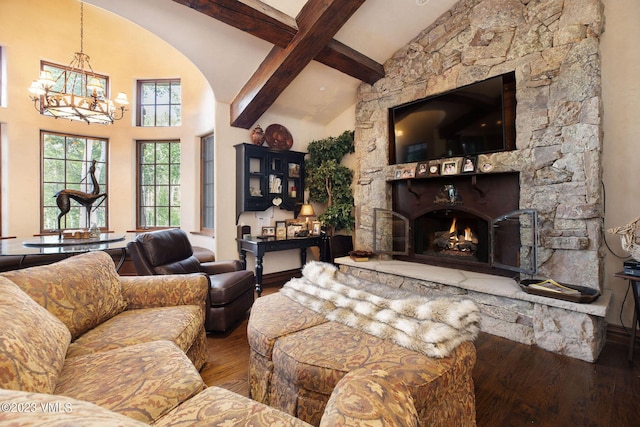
[{"x": 553, "y": 48}]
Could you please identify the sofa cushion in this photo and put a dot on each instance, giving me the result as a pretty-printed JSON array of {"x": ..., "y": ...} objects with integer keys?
[
  {"x": 143, "y": 381},
  {"x": 82, "y": 291},
  {"x": 219, "y": 407},
  {"x": 50, "y": 410},
  {"x": 180, "y": 325},
  {"x": 33, "y": 342}
]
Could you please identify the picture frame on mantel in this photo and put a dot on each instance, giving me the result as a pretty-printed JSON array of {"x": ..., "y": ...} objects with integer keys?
[
  {"x": 469, "y": 164},
  {"x": 451, "y": 166},
  {"x": 422, "y": 169}
]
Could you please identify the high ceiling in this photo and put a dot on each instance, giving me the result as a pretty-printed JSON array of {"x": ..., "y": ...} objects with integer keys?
[{"x": 228, "y": 57}]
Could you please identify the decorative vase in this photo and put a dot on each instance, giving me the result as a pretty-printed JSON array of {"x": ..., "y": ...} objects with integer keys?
[{"x": 257, "y": 135}]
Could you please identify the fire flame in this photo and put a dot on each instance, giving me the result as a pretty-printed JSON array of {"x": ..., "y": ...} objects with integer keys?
[{"x": 456, "y": 239}]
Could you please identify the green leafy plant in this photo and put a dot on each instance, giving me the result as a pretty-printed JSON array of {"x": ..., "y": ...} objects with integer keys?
[{"x": 330, "y": 182}]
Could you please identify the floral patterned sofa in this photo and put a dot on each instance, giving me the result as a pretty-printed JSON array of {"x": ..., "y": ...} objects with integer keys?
[
  {"x": 78, "y": 329},
  {"x": 80, "y": 345}
]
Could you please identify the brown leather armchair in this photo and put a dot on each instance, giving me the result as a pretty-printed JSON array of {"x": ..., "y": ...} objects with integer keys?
[{"x": 231, "y": 289}]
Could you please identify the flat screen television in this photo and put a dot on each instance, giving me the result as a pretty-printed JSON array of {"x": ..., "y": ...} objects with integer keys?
[{"x": 474, "y": 119}]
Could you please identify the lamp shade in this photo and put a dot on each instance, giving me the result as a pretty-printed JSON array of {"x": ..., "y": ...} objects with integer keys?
[{"x": 307, "y": 210}]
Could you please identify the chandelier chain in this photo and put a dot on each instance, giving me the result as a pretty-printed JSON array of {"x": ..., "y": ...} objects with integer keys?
[{"x": 81, "y": 27}]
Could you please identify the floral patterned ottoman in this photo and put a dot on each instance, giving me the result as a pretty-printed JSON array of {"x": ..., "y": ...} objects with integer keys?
[{"x": 298, "y": 358}]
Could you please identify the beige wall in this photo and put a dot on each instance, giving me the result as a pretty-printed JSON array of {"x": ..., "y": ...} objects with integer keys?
[
  {"x": 126, "y": 53},
  {"x": 621, "y": 91}
]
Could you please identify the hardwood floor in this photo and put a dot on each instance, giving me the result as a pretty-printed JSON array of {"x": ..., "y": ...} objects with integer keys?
[{"x": 516, "y": 385}]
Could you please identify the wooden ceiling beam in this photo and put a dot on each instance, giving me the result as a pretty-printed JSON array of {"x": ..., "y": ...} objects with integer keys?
[
  {"x": 318, "y": 22},
  {"x": 269, "y": 24},
  {"x": 251, "y": 16},
  {"x": 351, "y": 62}
]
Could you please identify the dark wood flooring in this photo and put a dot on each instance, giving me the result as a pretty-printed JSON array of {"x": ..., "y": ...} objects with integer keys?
[{"x": 516, "y": 385}]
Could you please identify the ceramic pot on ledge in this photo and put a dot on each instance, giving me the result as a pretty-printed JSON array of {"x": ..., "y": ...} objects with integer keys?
[{"x": 257, "y": 135}]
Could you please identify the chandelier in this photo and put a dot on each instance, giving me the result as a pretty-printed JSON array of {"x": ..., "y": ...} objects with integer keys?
[{"x": 76, "y": 92}]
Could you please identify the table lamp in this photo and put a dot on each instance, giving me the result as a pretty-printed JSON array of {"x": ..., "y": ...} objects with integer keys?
[{"x": 306, "y": 211}]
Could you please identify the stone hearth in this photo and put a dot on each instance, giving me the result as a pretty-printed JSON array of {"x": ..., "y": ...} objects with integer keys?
[{"x": 575, "y": 330}]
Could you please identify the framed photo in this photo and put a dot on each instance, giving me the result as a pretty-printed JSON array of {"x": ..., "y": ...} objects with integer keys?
[
  {"x": 281, "y": 230},
  {"x": 294, "y": 170},
  {"x": 408, "y": 172},
  {"x": 469, "y": 164},
  {"x": 434, "y": 168},
  {"x": 450, "y": 166},
  {"x": 294, "y": 226},
  {"x": 397, "y": 174},
  {"x": 422, "y": 169},
  {"x": 316, "y": 227},
  {"x": 268, "y": 231}
]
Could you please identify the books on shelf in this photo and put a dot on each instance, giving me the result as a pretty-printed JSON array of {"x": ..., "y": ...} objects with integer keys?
[{"x": 551, "y": 285}]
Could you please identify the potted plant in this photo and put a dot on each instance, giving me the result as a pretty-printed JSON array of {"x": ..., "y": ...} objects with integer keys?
[{"x": 330, "y": 182}]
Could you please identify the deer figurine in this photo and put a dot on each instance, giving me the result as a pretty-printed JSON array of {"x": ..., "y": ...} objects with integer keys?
[{"x": 63, "y": 198}]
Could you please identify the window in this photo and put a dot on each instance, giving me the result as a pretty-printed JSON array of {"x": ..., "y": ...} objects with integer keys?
[
  {"x": 158, "y": 184},
  {"x": 75, "y": 80},
  {"x": 207, "y": 168},
  {"x": 66, "y": 163},
  {"x": 159, "y": 103}
]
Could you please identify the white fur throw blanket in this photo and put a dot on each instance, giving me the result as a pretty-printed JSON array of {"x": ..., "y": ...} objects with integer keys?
[{"x": 434, "y": 327}]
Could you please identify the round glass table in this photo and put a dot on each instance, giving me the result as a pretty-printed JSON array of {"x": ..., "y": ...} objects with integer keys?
[{"x": 52, "y": 244}]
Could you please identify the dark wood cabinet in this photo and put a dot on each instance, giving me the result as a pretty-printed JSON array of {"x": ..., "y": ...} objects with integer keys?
[{"x": 266, "y": 177}]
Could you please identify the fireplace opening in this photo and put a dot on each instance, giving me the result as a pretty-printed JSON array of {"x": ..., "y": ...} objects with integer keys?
[
  {"x": 452, "y": 234},
  {"x": 491, "y": 234}
]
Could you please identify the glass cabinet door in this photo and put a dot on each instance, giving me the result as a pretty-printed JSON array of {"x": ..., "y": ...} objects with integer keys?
[
  {"x": 276, "y": 177},
  {"x": 293, "y": 179},
  {"x": 256, "y": 177}
]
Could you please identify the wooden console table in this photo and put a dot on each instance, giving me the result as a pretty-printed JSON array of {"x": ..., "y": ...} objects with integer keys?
[
  {"x": 258, "y": 247},
  {"x": 634, "y": 284}
]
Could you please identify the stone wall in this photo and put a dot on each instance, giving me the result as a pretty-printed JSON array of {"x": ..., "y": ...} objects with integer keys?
[{"x": 553, "y": 47}]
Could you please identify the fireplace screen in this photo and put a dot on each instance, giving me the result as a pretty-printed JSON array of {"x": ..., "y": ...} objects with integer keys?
[
  {"x": 515, "y": 241},
  {"x": 455, "y": 237},
  {"x": 391, "y": 232}
]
